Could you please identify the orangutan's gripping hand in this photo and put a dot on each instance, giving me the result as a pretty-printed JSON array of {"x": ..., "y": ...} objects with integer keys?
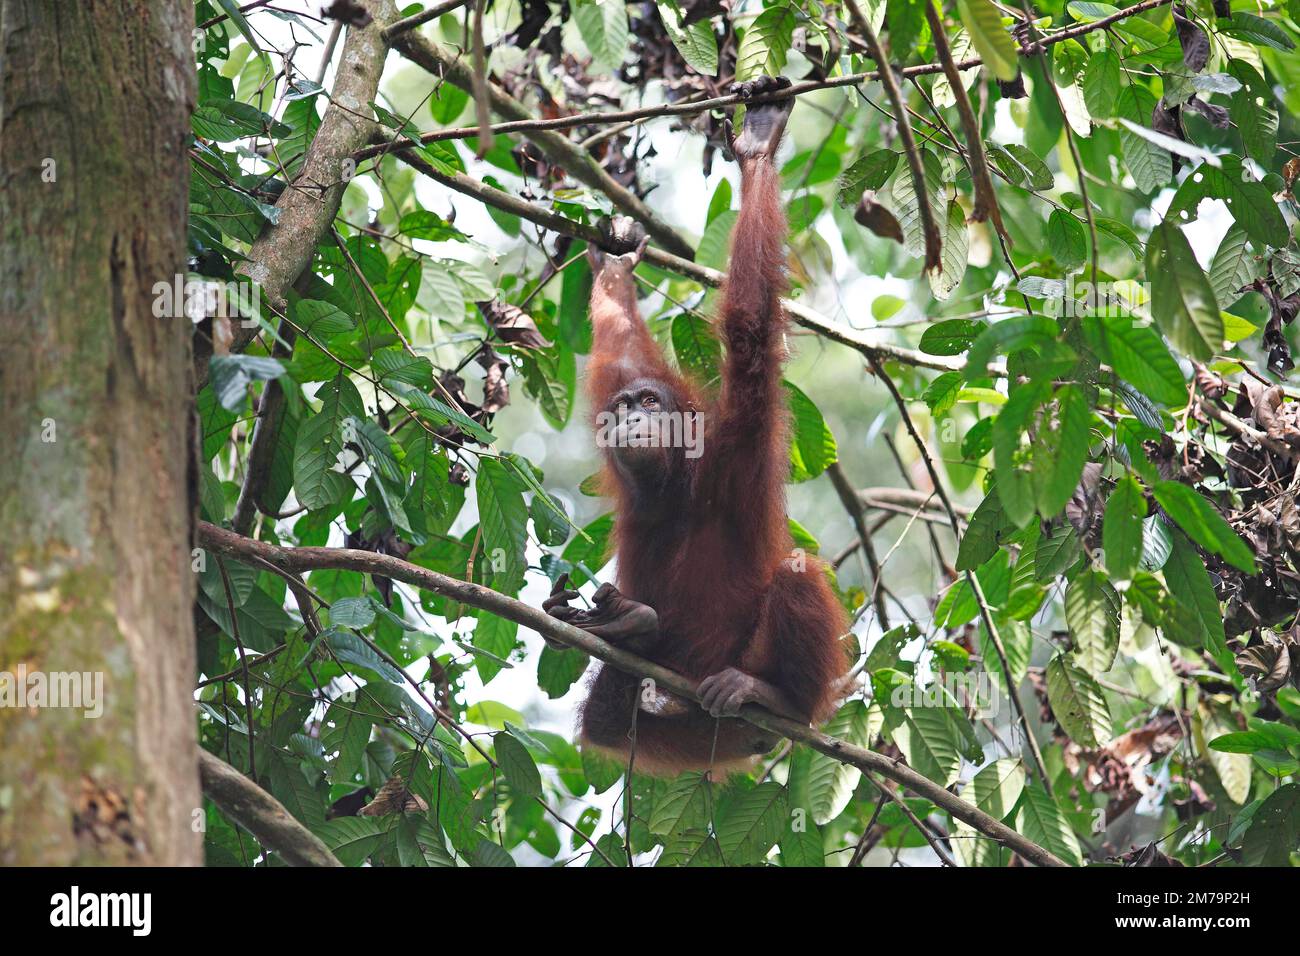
[
  {"x": 611, "y": 617},
  {"x": 621, "y": 246}
]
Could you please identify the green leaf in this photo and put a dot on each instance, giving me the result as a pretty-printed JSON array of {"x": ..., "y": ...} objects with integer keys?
[
  {"x": 1203, "y": 523},
  {"x": 1251, "y": 202},
  {"x": 1068, "y": 62},
  {"x": 908, "y": 208},
  {"x": 696, "y": 347},
  {"x": 232, "y": 374},
  {"x": 752, "y": 824},
  {"x": 1151, "y": 166},
  {"x": 355, "y": 612},
  {"x": 1157, "y": 542},
  {"x": 1121, "y": 233},
  {"x": 603, "y": 26},
  {"x": 1056, "y": 552},
  {"x": 981, "y": 538},
  {"x": 1078, "y": 704},
  {"x": 345, "y": 730},
  {"x": 559, "y": 670},
  {"x": 1139, "y": 356},
  {"x": 962, "y": 49},
  {"x": 1042, "y": 821},
  {"x": 1101, "y": 83},
  {"x": 1092, "y": 616},
  {"x": 496, "y": 636},
  {"x": 397, "y": 365},
  {"x": 1061, "y": 451},
  {"x": 550, "y": 520},
  {"x": 830, "y": 783},
  {"x": 870, "y": 171},
  {"x": 1189, "y": 585},
  {"x": 984, "y": 24},
  {"x": 1251, "y": 109},
  {"x": 1017, "y": 641},
  {"x": 504, "y": 519},
  {"x": 1257, "y": 30},
  {"x": 1067, "y": 240},
  {"x": 954, "y": 251},
  {"x": 352, "y": 839},
  {"x": 1274, "y": 832},
  {"x": 1121, "y": 530},
  {"x": 319, "y": 318},
  {"x": 929, "y": 741},
  {"x": 1182, "y": 301},
  {"x": 1232, "y": 268},
  {"x": 1022, "y": 166},
  {"x": 1171, "y": 144},
  {"x": 420, "y": 842},
  {"x": 317, "y": 475},
  {"x": 765, "y": 43},
  {"x": 696, "y": 43},
  {"x": 950, "y": 337},
  {"x": 589, "y": 550},
  {"x": 804, "y": 847},
  {"x": 812, "y": 444},
  {"x": 1244, "y": 742},
  {"x": 941, "y": 394},
  {"x": 997, "y": 788},
  {"x": 517, "y": 765},
  {"x": 1015, "y": 480},
  {"x": 1234, "y": 770},
  {"x": 352, "y": 649}
]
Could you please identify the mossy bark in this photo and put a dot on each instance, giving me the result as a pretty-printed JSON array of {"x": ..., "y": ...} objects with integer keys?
[{"x": 97, "y": 452}]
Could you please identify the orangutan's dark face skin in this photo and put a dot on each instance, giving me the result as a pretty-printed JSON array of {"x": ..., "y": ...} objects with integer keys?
[{"x": 640, "y": 443}]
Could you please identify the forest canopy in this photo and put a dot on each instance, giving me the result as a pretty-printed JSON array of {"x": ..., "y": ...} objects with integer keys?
[{"x": 1042, "y": 428}]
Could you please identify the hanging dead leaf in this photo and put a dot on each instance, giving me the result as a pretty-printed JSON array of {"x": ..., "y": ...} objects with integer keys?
[
  {"x": 512, "y": 324},
  {"x": 394, "y": 797},
  {"x": 877, "y": 218},
  {"x": 496, "y": 391}
]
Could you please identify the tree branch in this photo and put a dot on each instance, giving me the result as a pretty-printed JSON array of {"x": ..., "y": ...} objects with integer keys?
[
  {"x": 524, "y": 124},
  {"x": 310, "y": 559},
  {"x": 858, "y": 512},
  {"x": 578, "y": 163},
  {"x": 424, "y": 16},
  {"x": 261, "y": 814},
  {"x": 308, "y": 205}
]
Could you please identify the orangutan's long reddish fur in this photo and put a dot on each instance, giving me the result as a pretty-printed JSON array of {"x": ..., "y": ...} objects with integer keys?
[{"x": 710, "y": 551}]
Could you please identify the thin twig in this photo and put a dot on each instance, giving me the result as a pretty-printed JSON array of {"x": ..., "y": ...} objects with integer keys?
[{"x": 692, "y": 107}]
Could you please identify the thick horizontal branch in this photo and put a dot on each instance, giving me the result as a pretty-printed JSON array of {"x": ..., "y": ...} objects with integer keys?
[
  {"x": 606, "y": 117},
  {"x": 301, "y": 560},
  {"x": 801, "y": 314},
  {"x": 261, "y": 814}
]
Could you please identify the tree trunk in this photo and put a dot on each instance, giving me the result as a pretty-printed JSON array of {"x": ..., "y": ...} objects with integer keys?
[{"x": 97, "y": 453}]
